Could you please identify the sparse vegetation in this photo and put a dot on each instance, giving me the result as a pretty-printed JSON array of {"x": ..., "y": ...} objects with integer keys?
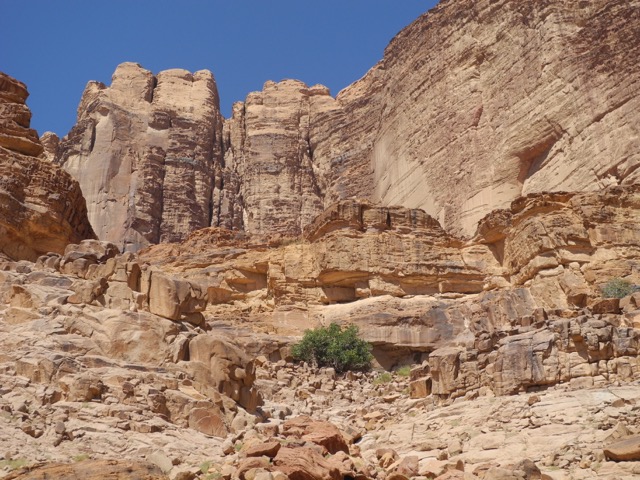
[
  {"x": 334, "y": 347},
  {"x": 13, "y": 464},
  {"x": 81, "y": 458},
  {"x": 205, "y": 466},
  {"x": 383, "y": 378},
  {"x": 404, "y": 371},
  {"x": 618, "y": 288}
]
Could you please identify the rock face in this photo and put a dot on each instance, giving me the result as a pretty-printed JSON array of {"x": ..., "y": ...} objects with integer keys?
[
  {"x": 147, "y": 153},
  {"x": 412, "y": 288},
  {"x": 15, "y": 118},
  {"x": 155, "y": 356},
  {"x": 517, "y": 100},
  {"x": 93, "y": 470},
  {"x": 270, "y": 142},
  {"x": 41, "y": 206}
]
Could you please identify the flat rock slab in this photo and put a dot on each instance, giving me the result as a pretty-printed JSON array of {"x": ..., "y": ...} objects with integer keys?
[
  {"x": 93, "y": 470},
  {"x": 624, "y": 450}
]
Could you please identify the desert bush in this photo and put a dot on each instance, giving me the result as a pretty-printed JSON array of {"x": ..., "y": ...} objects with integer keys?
[
  {"x": 618, "y": 288},
  {"x": 335, "y": 347}
]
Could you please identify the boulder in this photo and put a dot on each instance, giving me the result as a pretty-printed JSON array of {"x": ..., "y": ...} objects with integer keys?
[
  {"x": 321, "y": 433},
  {"x": 625, "y": 450},
  {"x": 304, "y": 464}
]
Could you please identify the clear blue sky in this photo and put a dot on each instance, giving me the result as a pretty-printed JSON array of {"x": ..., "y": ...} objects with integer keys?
[{"x": 57, "y": 47}]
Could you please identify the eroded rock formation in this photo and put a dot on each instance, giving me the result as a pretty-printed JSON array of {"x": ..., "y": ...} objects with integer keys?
[
  {"x": 278, "y": 220},
  {"x": 41, "y": 206},
  {"x": 469, "y": 124},
  {"x": 147, "y": 153},
  {"x": 457, "y": 128}
]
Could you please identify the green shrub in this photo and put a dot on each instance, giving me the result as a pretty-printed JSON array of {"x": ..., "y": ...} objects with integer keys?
[
  {"x": 334, "y": 347},
  {"x": 618, "y": 288},
  {"x": 404, "y": 371}
]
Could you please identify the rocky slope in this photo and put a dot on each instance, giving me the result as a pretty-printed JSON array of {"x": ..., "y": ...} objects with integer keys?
[
  {"x": 41, "y": 207},
  {"x": 473, "y": 105},
  {"x": 148, "y": 358},
  {"x": 129, "y": 359}
]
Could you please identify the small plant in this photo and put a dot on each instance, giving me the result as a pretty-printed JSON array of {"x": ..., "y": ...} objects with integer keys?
[
  {"x": 404, "y": 371},
  {"x": 334, "y": 347},
  {"x": 81, "y": 458},
  {"x": 205, "y": 466},
  {"x": 618, "y": 288},
  {"x": 383, "y": 378},
  {"x": 238, "y": 446}
]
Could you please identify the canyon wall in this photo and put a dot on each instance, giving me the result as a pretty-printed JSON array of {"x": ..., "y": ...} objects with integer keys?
[
  {"x": 473, "y": 105},
  {"x": 480, "y": 102}
]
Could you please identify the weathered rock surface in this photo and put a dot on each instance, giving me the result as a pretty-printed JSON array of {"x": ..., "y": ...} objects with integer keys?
[
  {"x": 464, "y": 126},
  {"x": 458, "y": 128},
  {"x": 93, "y": 470},
  {"x": 41, "y": 206},
  {"x": 79, "y": 344},
  {"x": 409, "y": 284},
  {"x": 269, "y": 143},
  {"x": 520, "y": 369},
  {"x": 627, "y": 449},
  {"x": 15, "y": 118},
  {"x": 146, "y": 152},
  {"x": 51, "y": 146}
]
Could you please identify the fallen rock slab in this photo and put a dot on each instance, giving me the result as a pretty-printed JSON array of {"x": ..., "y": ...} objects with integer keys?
[{"x": 624, "y": 450}]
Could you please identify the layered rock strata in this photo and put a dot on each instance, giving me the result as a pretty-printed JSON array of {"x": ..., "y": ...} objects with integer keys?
[
  {"x": 103, "y": 348},
  {"x": 41, "y": 206},
  {"x": 147, "y": 152},
  {"x": 458, "y": 128},
  {"x": 517, "y": 100},
  {"x": 270, "y": 146},
  {"x": 409, "y": 285},
  {"x": 585, "y": 350}
]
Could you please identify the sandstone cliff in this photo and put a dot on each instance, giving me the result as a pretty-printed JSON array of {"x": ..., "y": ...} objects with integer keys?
[
  {"x": 473, "y": 105},
  {"x": 176, "y": 359},
  {"x": 41, "y": 206},
  {"x": 479, "y": 102},
  {"x": 147, "y": 153},
  {"x": 103, "y": 349}
]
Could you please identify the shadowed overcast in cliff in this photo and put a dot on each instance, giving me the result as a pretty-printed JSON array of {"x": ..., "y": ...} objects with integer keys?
[{"x": 57, "y": 47}]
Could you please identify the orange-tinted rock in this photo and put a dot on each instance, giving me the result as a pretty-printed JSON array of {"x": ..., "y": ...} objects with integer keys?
[
  {"x": 93, "y": 470},
  {"x": 627, "y": 449},
  {"x": 267, "y": 449},
  {"x": 146, "y": 151},
  {"x": 209, "y": 421},
  {"x": 304, "y": 464},
  {"x": 320, "y": 433},
  {"x": 15, "y": 118},
  {"x": 41, "y": 206}
]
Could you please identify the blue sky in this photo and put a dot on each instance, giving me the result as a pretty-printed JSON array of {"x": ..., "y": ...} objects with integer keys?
[{"x": 57, "y": 47}]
